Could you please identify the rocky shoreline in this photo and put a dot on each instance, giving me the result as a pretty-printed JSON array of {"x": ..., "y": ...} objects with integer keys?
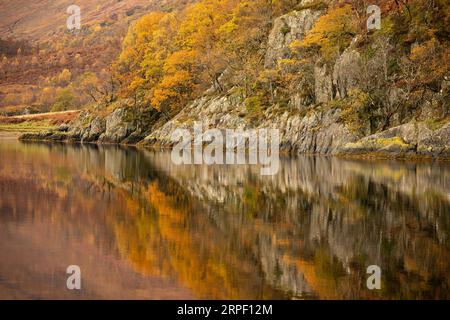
[
  {"x": 325, "y": 125},
  {"x": 320, "y": 134}
]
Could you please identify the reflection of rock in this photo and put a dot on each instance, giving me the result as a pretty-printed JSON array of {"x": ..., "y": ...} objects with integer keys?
[
  {"x": 115, "y": 162},
  {"x": 351, "y": 208},
  {"x": 278, "y": 272},
  {"x": 309, "y": 175},
  {"x": 308, "y": 231}
]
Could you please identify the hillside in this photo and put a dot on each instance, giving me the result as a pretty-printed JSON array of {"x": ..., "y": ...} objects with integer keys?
[
  {"x": 41, "y": 19},
  {"x": 36, "y": 47},
  {"x": 312, "y": 68}
]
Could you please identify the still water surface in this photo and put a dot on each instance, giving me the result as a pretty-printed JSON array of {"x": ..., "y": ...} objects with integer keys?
[{"x": 140, "y": 227}]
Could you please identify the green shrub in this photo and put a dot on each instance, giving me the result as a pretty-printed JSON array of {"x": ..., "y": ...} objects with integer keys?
[
  {"x": 64, "y": 101},
  {"x": 253, "y": 104}
]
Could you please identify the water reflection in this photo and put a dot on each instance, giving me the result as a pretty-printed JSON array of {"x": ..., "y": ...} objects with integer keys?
[{"x": 140, "y": 227}]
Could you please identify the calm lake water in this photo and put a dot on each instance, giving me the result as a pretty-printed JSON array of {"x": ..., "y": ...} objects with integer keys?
[{"x": 140, "y": 227}]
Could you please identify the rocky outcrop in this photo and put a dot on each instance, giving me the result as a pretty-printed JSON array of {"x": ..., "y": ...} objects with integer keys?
[
  {"x": 323, "y": 83},
  {"x": 120, "y": 124},
  {"x": 335, "y": 81},
  {"x": 319, "y": 132},
  {"x": 96, "y": 128},
  {"x": 45, "y": 136},
  {"x": 124, "y": 125},
  {"x": 286, "y": 29},
  {"x": 410, "y": 139},
  {"x": 347, "y": 72},
  {"x": 225, "y": 112}
]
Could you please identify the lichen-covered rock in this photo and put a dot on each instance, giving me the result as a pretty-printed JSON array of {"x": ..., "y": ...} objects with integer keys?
[
  {"x": 406, "y": 140},
  {"x": 119, "y": 124},
  {"x": 317, "y": 132},
  {"x": 50, "y": 136},
  {"x": 94, "y": 131},
  {"x": 331, "y": 82},
  {"x": 393, "y": 145},
  {"x": 434, "y": 142},
  {"x": 222, "y": 112}
]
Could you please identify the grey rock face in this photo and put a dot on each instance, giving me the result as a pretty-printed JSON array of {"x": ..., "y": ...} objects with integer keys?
[
  {"x": 220, "y": 112},
  {"x": 119, "y": 125},
  {"x": 323, "y": 83},
  {"x": 125, "y": 125},
  {"x": 96, "y": 128},
  {"x": 409, "y": 139},
  {"x": 317, "y": 132},
  {"x": 336, "y": 81},
  {"x": 347, "y": 72},
  {"x": 286, "y": 29}
]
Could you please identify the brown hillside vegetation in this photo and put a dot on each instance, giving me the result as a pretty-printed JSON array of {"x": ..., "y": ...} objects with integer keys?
[
  {"x": 36, "y": 20},
  {"x": 40, "y": 60}
]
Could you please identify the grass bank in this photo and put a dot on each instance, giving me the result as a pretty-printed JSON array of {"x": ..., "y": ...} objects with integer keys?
[{"x": 36, "y": 122}]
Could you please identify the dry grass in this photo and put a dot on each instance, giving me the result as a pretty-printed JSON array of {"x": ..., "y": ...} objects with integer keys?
[{"x": 50, "y": 119}]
